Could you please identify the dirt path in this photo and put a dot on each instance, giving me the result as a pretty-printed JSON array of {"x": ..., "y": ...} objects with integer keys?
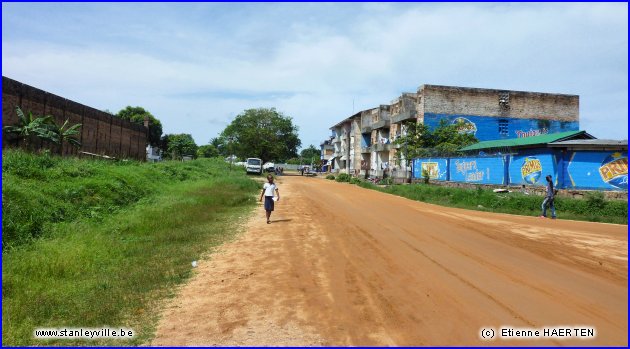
[{"x": 342, "y": 265}]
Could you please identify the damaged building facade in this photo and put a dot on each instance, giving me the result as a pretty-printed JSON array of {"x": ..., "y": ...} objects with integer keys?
[{"x": 363, "y": 143}]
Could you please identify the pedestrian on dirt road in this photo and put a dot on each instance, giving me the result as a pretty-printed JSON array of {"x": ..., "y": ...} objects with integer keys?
[
  {"x": 268, "y": 192},
  {"x": 549, "y": 199}
]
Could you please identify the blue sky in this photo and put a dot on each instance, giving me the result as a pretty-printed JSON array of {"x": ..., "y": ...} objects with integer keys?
[{"x": 196, "y": 66}]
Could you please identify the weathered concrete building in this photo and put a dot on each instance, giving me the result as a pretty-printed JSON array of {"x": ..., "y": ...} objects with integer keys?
[
  {"x": 364, "y": 141},
  {"x": 341, "y": 146},
  {"x": 403, "y": 109},
  {"x": 327, "y": 149},
  {"x": 498, "y": 114}
]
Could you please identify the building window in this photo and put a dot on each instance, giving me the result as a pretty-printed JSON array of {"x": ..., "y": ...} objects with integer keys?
[
  {"x": 503, "y": 127},
  {"x": 504, "y": 100}
]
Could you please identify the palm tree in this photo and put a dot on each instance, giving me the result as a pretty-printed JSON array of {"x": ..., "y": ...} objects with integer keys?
[{"x": 29, "y": 126}]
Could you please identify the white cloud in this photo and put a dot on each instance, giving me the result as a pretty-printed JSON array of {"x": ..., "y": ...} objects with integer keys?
[{"x": 196, "y": 66}]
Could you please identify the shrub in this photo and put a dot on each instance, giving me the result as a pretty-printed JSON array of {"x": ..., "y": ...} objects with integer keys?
[
  {"x": 331, "y": 177},
  {"x": 343, "y": 177},
  {"x": 386, "y": 181},
  {"x": 425, "y": 176},
  {"x": 355, "y": 180},
  {"x": 595, "y": 201}
]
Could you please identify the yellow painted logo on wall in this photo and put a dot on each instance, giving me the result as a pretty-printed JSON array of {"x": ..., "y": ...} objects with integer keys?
[
  {"x": 614, "y": 170},
  {"x": 531, "y": 170},
  {"x": 464, "y": 125}
]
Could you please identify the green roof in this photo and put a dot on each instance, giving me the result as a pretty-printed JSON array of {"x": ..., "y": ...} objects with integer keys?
[{"x": 529, "y": 141}]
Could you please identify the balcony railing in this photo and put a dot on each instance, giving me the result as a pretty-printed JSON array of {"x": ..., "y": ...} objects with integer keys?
[
  {"x": 380, "y": 124},
  {"x": 382, "y": 147},
  {"x": 336, "y": 140},
  {"x": 366, "y": 129},
  {"x": 406, "y": 115}
]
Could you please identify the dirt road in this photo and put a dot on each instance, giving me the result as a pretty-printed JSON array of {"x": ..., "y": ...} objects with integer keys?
[{"x": 342, "y": 265}]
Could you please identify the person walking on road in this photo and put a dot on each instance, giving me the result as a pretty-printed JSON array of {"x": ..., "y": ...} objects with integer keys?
[
  {"x": 268, "y": 193},
  {"x": 549, "y": 199}
]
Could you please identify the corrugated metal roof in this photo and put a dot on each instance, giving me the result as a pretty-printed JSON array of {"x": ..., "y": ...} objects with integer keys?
[
  {"x": 528, "y": 141},
  {"x": 602, "y": 142}
]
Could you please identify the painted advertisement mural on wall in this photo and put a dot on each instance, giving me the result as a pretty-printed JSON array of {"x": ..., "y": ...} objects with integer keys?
[
  {"x": 436, "y": 168},
  {"x": 598, "y": 170},
  {"x": 530, "y": 168},
  {"x": 571, "y": 170},
  {"x": 482, "y": 170},
  {"x": 487, "y": 128}
]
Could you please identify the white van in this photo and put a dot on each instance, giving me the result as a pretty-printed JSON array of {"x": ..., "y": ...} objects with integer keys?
[{"x": 254, "y": 165}]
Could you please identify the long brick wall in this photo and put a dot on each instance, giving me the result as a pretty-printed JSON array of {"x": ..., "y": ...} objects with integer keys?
[{"x": 100, "y": 134}]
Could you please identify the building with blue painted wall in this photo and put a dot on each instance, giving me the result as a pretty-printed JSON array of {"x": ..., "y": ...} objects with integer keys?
[
  {"x": 574, "y": 159},
  {"x": 491, "y": 114},
  {"x": 364, "y": 142}
]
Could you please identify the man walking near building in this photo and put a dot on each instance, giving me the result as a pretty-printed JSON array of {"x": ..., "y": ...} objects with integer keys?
[{"x": 549, "y": 199}]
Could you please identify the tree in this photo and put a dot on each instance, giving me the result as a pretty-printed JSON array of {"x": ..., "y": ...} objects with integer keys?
[
  {"x": 207, "y": 151},
  {"x": 220, "y": 144},
  {"x": 137, "y": 115},
  {"x": 29, "y": 126},
  {"x": 311, "y": 154},
  {"x": 263, "y": 133},
  {"x": 420, "y": 141},
  {"x": 180, "y": 145},
  {"x": 164, "y": 142}
]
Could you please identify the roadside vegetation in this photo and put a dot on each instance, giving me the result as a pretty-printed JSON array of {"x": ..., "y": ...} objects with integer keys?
[
  {"x": 593, "y": 208},
  {"x": 91, "y": 243}
]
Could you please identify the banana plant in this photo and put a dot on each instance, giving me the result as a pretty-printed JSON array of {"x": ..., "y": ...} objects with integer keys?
[
  {"x": 62, "y": 134},
  {"x": 28, "y": 126}
]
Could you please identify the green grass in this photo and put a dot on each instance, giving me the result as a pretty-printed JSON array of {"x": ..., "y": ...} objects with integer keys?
[
  {"x": 40, "y": 190},
  {"x": 594, "y": 208},
  {"x": 111, "y": 269}
]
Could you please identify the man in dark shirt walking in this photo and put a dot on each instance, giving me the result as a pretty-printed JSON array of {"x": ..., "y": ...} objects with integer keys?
[{"x": 549, "y": 199}]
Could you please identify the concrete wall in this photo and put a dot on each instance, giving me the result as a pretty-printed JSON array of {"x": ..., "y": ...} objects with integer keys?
[
  {"x": 488, "y": 102},
  {"x": 100, "y": 132}
]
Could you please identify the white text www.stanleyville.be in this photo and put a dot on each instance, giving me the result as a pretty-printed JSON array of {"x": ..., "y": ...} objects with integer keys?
[{"x": 86, "y": 333}]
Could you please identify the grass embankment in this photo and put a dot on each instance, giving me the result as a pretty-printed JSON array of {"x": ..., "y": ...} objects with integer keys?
[
  {"x": 593, "y": 208},
  {"x": 98, "y": 244}
]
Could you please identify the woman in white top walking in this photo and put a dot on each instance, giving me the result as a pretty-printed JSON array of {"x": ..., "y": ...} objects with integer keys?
[{"x": 267, "y": 191}]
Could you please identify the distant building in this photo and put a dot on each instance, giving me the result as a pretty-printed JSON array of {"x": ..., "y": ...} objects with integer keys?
[
  {"x": 363, "y": 142},
  {"x": 327, "y": 150},
  {"x": 154, "y": 154}
]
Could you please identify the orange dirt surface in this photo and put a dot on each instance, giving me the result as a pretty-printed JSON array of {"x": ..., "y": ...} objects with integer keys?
[{"x": 345, "y": 266}]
